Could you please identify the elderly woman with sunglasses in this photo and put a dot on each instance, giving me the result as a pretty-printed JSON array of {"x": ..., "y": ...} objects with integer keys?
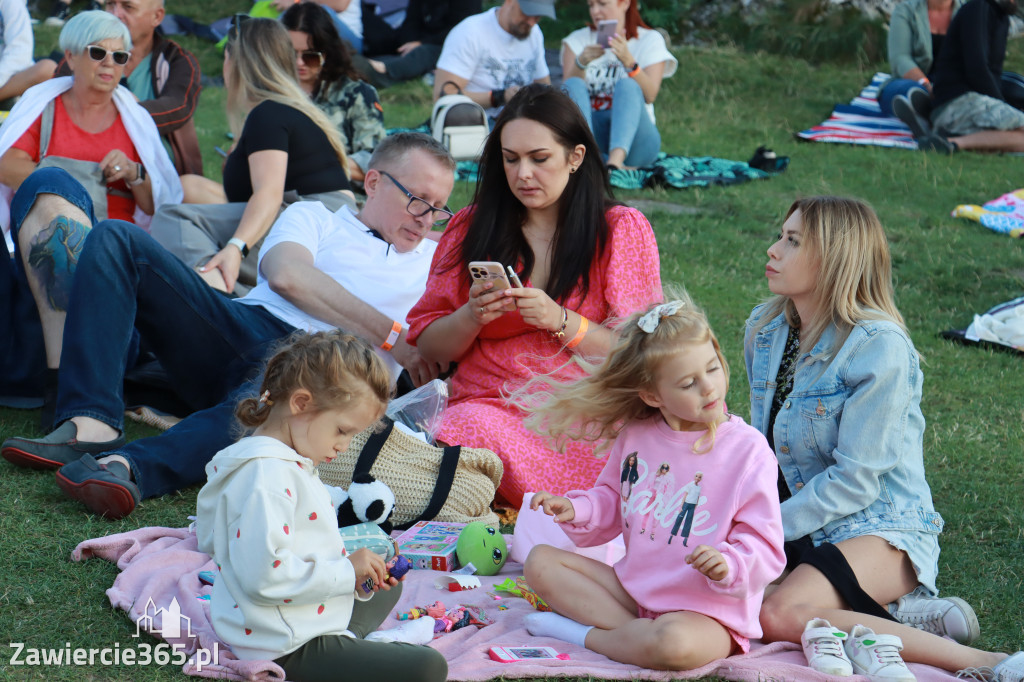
[
  {"x": 285, "y": 150},
  {"x": 84, "y": 136},
  {"x": 327, "y": 75}
]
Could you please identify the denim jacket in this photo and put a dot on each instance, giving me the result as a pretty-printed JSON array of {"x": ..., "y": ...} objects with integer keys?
[{"x": 849, "y": 437}]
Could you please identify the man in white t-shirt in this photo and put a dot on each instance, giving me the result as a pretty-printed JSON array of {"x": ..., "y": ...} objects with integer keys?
[
  {"x": 318, "y": 270},
  {"x": 489, "y": 56}
]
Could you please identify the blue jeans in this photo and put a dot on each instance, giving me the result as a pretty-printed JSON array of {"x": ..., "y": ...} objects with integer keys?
[
  {"x": 208, "y": 344},
  {"x": 22, "y": 356},
  {"x": 891, "y": 88},
  {"x": 625, "y": 126},
  {"x": 684, "y": 519}
]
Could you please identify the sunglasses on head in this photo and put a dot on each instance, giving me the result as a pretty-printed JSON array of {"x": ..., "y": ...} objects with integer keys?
[
  {"x": 234, "y": 27},
  {"x": 98, "y": 54},
  {"x": 311, "y": 58}
]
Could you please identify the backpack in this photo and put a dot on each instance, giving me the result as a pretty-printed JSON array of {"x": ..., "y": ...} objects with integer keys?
[{"x": 461, "y": 125}]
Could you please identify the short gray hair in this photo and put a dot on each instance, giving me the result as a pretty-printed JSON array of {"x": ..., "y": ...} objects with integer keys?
[
  {"x": 89, "y": 28},
  {"x": 392, "y": 150}
]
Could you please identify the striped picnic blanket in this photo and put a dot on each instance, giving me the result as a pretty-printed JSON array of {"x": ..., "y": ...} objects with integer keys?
[{"x": 861, "y": 122}]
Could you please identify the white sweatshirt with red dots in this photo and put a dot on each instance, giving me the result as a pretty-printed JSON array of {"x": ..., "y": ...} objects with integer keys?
[{"x": 267, "y": 520}]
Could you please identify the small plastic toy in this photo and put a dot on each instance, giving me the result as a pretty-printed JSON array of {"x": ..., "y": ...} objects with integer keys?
[
  {"x": 397, "y": 567},
  {"x": 517, "y": 587},
  {"x": 483, "y": 547}
]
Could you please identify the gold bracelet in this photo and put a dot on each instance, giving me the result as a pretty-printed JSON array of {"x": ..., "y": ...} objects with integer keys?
[{"x": 560, "y": 334}]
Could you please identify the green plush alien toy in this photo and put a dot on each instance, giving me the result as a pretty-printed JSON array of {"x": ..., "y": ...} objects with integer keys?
[{"x": 482, "y": 546}]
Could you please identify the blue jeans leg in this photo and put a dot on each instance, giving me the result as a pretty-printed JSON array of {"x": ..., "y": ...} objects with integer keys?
[
  {"x": 577, "y": 90},
  {"x": 893, "y": 87},
  {"x": 206, "y": 342},
  {"x": 631, "y": 127}
]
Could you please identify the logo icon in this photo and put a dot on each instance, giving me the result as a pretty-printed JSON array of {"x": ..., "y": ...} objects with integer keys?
[{"x": 163, "y": 622}]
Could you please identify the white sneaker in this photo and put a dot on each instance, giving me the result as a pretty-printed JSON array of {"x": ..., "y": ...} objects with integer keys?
[
  {"x": 877, "y": 656},
  {"x": 823, "y": 647},
  {"x": 944, "y": 616},
  {"x": 1011, "y": 669}
]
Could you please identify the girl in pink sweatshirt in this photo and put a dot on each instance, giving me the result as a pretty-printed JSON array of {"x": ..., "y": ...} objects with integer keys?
[{"x": 688, "y": 590}]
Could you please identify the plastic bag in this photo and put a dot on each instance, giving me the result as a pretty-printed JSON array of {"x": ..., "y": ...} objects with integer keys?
[{"x": 421, "y": 409}]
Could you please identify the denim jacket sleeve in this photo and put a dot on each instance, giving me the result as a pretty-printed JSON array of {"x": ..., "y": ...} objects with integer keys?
[{"x": 868, "y": 429}]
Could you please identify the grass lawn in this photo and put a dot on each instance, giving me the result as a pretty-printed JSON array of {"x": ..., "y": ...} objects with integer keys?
[{"x": 723, "y": 103}]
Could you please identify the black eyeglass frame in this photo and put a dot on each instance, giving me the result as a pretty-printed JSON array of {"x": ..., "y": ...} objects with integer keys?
[
  {"x": 234, "y": 26},
  {"x": 447, "y": 212},
  {"x": 113, "y": 54}
]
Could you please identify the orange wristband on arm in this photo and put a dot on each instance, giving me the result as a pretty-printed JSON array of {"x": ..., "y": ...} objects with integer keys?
[
  {"x": 396, "y": 330},
  {"x": 580, "y": 333}
]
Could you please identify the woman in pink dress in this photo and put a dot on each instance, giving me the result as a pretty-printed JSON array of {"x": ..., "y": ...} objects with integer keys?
[
  {"x": 661, "y": 483},
  {"x": 542, "y": 206}
]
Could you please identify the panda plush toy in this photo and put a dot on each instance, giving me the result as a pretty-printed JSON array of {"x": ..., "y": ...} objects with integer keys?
[{"x": 367, "y": 500}]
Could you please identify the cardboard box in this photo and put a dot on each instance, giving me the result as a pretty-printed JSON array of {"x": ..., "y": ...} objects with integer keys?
[{"x": 431, "y": 545}]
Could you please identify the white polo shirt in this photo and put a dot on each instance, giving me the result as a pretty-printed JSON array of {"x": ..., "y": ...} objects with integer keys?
[{"x": 344, "y": 249}]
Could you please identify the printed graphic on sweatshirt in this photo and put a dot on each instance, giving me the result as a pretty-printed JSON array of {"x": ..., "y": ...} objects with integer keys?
[{"x": 657, "y": 507}]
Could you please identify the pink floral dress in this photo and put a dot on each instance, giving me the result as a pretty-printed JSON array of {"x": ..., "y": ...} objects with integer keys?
[{"x": 625, "y": 278}]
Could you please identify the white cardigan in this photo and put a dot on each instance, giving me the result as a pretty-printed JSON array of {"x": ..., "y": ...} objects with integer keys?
[{"x": 137, "y": 121}]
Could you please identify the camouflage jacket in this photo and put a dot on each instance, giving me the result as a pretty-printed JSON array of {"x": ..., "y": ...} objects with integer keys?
[{"x": 353, "y": 106}]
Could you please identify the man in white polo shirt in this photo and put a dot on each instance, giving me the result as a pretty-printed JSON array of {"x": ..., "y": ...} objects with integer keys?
[
  {"x": 318, "y": 270},
  {"x": 489, "y": 56}
]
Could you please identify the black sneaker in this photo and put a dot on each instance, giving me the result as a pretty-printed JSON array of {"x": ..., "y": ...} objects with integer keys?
[
  {"x": 60, "y": 14},
  {"x": 905, "y": 112}
]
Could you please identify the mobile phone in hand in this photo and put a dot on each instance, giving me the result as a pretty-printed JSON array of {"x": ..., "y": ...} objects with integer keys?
[
  {"x": 483, "y": 271},
  {"x": 606, "y": 28}
]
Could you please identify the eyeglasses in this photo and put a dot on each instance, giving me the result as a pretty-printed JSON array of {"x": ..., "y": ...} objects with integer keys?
[
  {"x": 311, "y": 58},
  {"x": 420, "y": 207},
  {"x": 98, "y": 54}
]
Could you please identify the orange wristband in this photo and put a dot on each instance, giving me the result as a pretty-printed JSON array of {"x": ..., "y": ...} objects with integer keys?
[
  {"x": 580, "y": 333},
  {"x": 634, "y": 71},
  {"x": 396, "y": 330}
]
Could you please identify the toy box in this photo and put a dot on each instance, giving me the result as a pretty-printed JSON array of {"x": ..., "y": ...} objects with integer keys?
[{"x": 431, "y": 545}]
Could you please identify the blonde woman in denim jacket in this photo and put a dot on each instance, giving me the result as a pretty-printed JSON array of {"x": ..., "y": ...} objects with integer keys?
[{"x": 835, "y": 386}]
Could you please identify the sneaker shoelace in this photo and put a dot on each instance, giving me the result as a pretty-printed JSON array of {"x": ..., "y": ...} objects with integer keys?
[
  {"x": 828, "y": 646},
  {"x": 982, "y": 674},
  {"x": 930, "y": 621},
  {"x": 887, "y": 654}
]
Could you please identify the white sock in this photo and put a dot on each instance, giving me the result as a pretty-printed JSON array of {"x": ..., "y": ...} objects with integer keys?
[
  {"x": 547, "y": 624},
  {"x": 419, "y": 631}
]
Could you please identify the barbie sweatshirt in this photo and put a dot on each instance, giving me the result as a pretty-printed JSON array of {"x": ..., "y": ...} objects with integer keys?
[
  {"x": 267, "y": 520},
  {"x": 726, "y": 498}
]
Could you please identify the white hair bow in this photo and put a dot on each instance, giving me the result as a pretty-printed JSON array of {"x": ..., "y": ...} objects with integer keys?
[{"x": 649, "y": 322}]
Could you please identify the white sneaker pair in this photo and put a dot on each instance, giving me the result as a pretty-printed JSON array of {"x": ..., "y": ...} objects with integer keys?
[{"x": 833, "y": 652}]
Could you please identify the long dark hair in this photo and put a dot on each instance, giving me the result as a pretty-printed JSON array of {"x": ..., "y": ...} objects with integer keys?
[
  {"x": 495, "y": 232},
  {"x": 312, "y": 19}
]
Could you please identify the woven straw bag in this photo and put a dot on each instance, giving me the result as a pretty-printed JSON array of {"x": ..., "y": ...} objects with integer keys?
[{"x": 453, "y": 484}]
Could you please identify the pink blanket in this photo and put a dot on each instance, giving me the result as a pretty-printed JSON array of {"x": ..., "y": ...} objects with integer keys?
[{"x": 161, "y": 564}]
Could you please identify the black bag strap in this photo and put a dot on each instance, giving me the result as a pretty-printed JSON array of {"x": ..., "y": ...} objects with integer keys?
[{"x": 445, "y": 475}]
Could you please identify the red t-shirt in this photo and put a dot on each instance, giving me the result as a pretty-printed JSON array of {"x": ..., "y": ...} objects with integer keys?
[{"x": 68, "y": 140}]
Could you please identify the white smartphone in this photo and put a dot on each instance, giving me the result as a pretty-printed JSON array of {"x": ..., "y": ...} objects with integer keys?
[
  {"x": 511, "y": 654},
  {"x": 606, "y": 28},
  {"x": 485, "y": 270}
]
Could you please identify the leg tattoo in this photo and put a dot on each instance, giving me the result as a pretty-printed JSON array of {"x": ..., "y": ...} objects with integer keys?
[{"x": 53, "y": 257}]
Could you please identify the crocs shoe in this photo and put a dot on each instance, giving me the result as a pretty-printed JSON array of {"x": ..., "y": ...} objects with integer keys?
[
  {"x": 823, "y": 647},
  {"x": 944, "y": 616},
  {"x": 55, "y": 450},
  {"x": 106, "y": 489},
  {"x": 877, "y": 656}
]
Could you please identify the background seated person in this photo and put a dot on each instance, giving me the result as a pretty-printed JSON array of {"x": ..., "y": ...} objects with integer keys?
[
  {"x": 284, "y": 144},
  {"x": 95, "y": 130},
  {"x": 412, "y": 49},
  {"x": 18, "y": 70},
  {"x": 969, "y": 110},
  {"x": 327, "y": 75},
  {"x": 615, "y": 87},
  {"x": 917, "y": 29},
  {"x": 164, "y": 77},
  {"x": 318, "y": 271},
  {"x": 489, "y": 56},
  {"x": 542, "y": 206}
]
